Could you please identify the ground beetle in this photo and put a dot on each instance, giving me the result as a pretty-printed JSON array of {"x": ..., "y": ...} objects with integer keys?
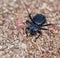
[{"x": 36, "y": 24}]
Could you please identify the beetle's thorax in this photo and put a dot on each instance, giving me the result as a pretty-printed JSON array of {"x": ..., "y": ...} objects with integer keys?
[{"x": 33, "y": 28}]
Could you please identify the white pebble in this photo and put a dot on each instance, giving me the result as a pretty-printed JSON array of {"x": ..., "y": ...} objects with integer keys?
[
  {"x": 23, "y": 46},
  {"x": 44, "y": 6},
  {"x": 0, "y": 47},
  {"x": 49, "y": 8}
]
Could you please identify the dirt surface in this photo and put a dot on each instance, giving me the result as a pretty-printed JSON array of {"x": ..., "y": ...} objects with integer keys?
[{"x": 13, "y": 40}]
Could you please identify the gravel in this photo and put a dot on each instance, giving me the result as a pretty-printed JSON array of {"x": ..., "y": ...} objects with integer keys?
[{"x": 13, "y": 41}]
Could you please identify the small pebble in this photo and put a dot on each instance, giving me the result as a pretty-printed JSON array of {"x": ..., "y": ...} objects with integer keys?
[
  {"x": 0, "y": 47},
  {"x": 24, "y": 46}
]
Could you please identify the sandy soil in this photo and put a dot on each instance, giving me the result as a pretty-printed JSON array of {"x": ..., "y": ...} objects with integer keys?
[{"x": 13, "y": 40}]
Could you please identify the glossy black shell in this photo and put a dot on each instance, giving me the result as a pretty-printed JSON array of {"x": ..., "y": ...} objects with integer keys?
[{"x": 39, "y": 19}]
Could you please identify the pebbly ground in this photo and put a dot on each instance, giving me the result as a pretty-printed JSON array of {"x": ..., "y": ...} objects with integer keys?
[{"x": 13, "y": 44}]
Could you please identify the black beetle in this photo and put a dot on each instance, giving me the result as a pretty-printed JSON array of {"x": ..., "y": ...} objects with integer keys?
[{"x": 36, "y": 24}]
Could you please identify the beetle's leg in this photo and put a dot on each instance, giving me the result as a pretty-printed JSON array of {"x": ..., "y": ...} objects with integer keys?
[
  {"x": 47, "y": 24},
  {"x": 26, "y": 31},
  {"x": 43, "y": 28},
  {"x": 38, "y": 35},
  {"x": 30, "y": 17},
  {"x": 36, "y": 38},
  {"x": 29, "y": 13}
]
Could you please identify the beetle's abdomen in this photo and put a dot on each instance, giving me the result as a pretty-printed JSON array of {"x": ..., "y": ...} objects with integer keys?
[{"x": 39, "y": 19}]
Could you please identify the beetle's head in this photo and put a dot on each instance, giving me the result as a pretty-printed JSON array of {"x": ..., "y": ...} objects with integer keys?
[{"x": 30, "y": 31}]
